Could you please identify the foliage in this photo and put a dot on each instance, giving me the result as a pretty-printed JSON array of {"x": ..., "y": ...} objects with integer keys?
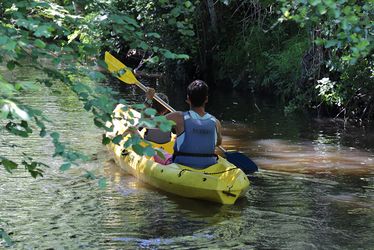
[
  {"x": 66, "y": 37},
  {"x": 287, "y": 47},
  {"x": 345, "y": 27},
  {"x": 353, "y": 93},
  {"x": 138, "y": 25},
  {"x": 284, "y": 67},
  {"x": 3, "y": 235}
]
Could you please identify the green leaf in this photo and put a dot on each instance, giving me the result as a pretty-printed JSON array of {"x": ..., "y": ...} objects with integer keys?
[
  {"x": 153, "y": 34},
  {"x": 319, "y": 41},
  {"x": 117, "y": 139},
  {"x": 9, "y": 165},
  {"x": 321, "y": 9},
  {"x": 131, "y": 21},
  {"x": 74, "y": 35},
  {"x": 65, "y": 166},
  {"x": 96, "y": 76},
  {"x": 102, "y": 182},
  {"x": 42, "y": 133},
  {"x": 137, "y": 106},
  {"x": 39, "y": 43},
  {"x": 363, "y": 44},
  {"x": 169, "y": 55},
  {"x": 5, "y": 237},
  {"x": 176, "y": 11},
  {"x": 14, "y": 129},
  {"x": 147, "y": 123},
  {"x": 150, "y": 111},
  {"x": 182, "y": 56},
  {"x": 99, "y": 123},
  {"x": 89, "y": 175},
  {"x": 187, "y": 32},
  {"x": 3, "y": 39},
  {"x": 154, "y": 59},
  {"x": 72, "y": 156},
  {"x": 149, "y": 151},
  {"x": 59, "y": 149},
  {"x": 143, "y": 45},
  {"x": 25, "y": 125},
  {"x": 160, "y": 153},
  {"x": 55, "y": 135},
  {"x": 88, "y": 106},
  {"x": 105, "y": 140},
  {"x": 39, "y": 123},
  {"x": 137, "y": 149},
  {"x": 188, "y": 4},
  {"x": 44, "y": 30},
  {"x": 10, "y": 45},
  {"x": 11, "y": 65},
  {"x": 165, "y": 127},
  {"x": 330, "y": 43},
  {"x": 314, "y": 2},
  {"x": 47, "y": 83}
]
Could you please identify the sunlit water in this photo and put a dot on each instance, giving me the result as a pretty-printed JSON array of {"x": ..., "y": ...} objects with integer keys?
[{"x": 315, "y": 189}]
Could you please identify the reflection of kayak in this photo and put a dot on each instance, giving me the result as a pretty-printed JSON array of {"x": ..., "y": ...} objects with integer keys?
[{"x": 222, "y": 182}]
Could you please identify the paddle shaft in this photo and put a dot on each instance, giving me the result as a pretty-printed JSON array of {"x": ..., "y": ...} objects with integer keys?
[{"x": 223, "y": 150}]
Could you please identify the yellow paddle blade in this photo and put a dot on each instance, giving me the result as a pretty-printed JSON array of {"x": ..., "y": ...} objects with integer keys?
[{"x": 115, "y": 65}]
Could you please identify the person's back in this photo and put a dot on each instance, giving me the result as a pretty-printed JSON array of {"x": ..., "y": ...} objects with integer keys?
[{"x": 197, "y": 131}]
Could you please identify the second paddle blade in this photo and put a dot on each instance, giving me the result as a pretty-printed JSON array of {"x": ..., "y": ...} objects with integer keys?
[{"x": 241, "y": 161}]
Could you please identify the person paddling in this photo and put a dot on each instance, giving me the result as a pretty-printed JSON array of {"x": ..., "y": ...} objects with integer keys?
[
  {"x": 155, "y": 134},
  {"x": 198, "y": 132}
]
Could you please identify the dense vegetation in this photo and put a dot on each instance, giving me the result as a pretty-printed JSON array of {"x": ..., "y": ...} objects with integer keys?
[
  {"x": 310, "y": 53},
  {"x": 314, "y": 54}
]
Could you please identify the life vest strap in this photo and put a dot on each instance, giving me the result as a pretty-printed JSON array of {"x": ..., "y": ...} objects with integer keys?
[{"x": 178, "y": 153}]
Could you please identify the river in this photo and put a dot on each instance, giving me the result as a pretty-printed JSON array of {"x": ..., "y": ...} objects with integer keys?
[{"x": 315, "y": 189}]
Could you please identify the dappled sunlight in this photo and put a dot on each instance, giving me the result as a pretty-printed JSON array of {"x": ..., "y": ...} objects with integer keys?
[
  {"x": 323, "y": 155},
  {"x": 310, "y": 157},
  {"x": 313, "y": 158}
]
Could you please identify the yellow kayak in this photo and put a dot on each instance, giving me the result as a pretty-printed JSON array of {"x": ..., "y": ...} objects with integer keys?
[{"x": 222, "y": 182}]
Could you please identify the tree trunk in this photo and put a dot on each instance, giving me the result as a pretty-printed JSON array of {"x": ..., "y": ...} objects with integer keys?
[{"x": 213, "y": 16}]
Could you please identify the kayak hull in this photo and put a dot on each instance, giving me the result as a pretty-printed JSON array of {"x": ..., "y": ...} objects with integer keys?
[{"x": 222, "y": 183}]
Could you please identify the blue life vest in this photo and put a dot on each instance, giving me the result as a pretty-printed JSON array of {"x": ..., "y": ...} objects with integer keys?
[{"x": 195, "y": 146}]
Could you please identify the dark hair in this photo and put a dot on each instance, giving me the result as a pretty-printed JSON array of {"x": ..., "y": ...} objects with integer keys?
[
  {"x": 197, "y": 91},
  {"x": 158, "y": 106}
]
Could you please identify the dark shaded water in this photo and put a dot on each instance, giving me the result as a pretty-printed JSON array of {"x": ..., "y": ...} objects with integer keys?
[{"x": 315, "y": 189}]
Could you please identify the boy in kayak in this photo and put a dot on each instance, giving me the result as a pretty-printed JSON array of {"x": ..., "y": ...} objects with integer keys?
[
  {"x": 198, "y": 132},
  {"x": 155, "y": 134}
]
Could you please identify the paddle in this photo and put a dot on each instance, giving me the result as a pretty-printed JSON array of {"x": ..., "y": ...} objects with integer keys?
[{"x": 235, "y": 157}]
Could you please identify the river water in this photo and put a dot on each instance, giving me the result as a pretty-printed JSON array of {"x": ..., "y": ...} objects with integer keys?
[{"x": 315, "y": 189}]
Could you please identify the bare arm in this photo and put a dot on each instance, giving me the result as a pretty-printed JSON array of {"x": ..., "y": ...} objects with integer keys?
[{"x": 177, "y": 117}]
